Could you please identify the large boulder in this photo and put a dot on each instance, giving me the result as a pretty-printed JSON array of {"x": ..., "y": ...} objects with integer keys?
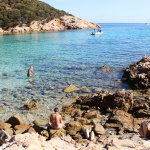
[
  {"x": 15, "y": 120},
  {"x": 73, "y": 127}
]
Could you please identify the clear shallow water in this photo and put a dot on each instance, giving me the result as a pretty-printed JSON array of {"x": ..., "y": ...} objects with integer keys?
[{"x": 63, "y": 58}]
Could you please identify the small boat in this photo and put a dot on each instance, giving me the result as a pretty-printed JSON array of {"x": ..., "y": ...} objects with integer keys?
[{"x": 96, "y": 33}]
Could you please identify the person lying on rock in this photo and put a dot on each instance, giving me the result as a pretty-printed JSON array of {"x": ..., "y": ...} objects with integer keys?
[{"x": 56, "y": 120}]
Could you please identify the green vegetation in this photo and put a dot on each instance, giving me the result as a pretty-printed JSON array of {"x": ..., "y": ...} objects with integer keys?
[{"x": 18, "y": 12}]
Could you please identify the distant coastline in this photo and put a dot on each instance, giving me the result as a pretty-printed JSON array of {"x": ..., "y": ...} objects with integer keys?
[{"x": 66, "y": 22}]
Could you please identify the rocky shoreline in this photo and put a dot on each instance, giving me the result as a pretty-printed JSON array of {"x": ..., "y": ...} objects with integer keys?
[
  {"x": 64, "y": 23},
  {"x": 99, "y": 121}
]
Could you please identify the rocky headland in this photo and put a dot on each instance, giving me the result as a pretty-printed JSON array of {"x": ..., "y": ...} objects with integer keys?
[
  {"x": 66, "y": 22},
  {"x": 138, "y": 74}
]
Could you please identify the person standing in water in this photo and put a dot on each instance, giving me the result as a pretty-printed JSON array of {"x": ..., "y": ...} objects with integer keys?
[
  {"x": 56, "y": 120},
  {"x": 30, "y": 72}
]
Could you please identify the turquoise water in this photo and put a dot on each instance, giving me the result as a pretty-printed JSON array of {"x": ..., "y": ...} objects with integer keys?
[{"x": 67, "y": 57}]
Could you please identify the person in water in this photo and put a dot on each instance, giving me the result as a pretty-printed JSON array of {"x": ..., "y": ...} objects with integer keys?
[
  {"x": 30, "y": 72},
  {"x": 56, "y": 120}
]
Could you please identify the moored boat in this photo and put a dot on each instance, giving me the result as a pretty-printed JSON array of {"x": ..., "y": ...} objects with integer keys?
[{"x": 96, "y": 33}]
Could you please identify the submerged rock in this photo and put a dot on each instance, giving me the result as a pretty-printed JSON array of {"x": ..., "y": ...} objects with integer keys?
[
  {"x": 71, "y": 88},
  {"x": 31, "y": 106}
]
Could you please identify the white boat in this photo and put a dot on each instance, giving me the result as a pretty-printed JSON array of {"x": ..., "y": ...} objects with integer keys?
[{"x": 96, "y": 33}]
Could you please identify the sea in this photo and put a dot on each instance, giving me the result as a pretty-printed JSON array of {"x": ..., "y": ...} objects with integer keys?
[{"x": 63, "y": 58}]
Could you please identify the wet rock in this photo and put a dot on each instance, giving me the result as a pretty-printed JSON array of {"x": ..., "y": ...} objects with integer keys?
[
  {"x": 105, "y": 68},
  {"x": 85, "y": 90},
  {"x": 71, "y": 88},
  {"x": 15, "y": 120},
  {"x": 31, "y": 106}
]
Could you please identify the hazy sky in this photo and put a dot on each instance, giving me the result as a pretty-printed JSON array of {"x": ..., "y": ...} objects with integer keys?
[{"x": 109, "y": 11}]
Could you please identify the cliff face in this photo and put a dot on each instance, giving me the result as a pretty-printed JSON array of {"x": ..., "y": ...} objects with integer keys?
[{"x": 64, "y": 23}]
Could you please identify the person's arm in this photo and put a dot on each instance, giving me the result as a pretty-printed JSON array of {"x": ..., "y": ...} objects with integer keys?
[
  {"x": 33, "y": 73},
  {"x": 60, "y": 119},
  {"x": 51, "y": 119}
]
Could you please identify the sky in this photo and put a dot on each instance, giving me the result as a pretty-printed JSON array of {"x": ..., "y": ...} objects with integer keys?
[{"x": 106, "y": 11}]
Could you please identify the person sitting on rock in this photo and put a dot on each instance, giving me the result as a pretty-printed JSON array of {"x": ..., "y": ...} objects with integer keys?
[{"x": 56, "y": 120}]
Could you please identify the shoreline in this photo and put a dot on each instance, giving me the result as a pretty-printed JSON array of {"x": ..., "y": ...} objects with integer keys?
[
  {"x": 65, "y": 23},
  {"x": 79, "y": 118}
]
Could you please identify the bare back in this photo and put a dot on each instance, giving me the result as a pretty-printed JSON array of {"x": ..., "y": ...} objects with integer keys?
[{"x": 56, "y": 120}]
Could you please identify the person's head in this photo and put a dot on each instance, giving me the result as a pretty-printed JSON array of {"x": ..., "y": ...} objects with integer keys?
[
  {"x": 56, "y": 110},
  {"x": 31, "y": 67}
]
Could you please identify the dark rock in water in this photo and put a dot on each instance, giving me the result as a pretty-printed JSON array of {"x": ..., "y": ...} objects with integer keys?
[
  {"x": 4, "y": 89},
  {"x": 5, "y": 74},
  {"x": 138, "y": 74},
  {"x": 105, "y": 68},
  {"x": 31, "y": 106}
]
